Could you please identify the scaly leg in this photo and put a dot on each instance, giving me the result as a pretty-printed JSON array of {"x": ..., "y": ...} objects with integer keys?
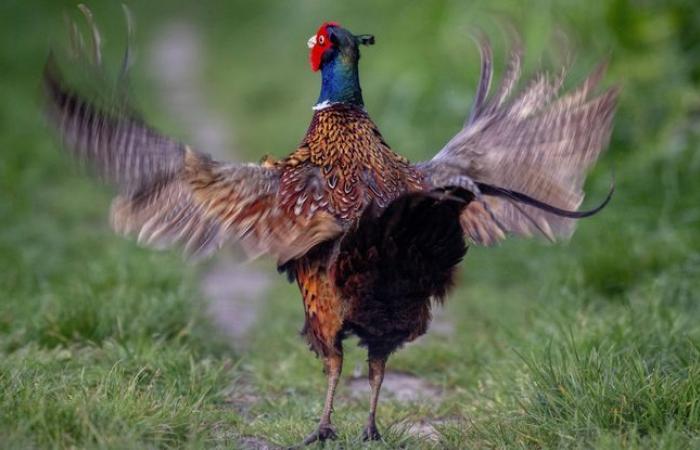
[
  {"x": 375, "y": 376},
  {"x": 333, "y": 365}
]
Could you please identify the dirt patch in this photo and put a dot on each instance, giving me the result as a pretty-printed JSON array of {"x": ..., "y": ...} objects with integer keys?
[
  {"x": 254, "y": 443},
  {"x": 234, "y": 292},
  {"x": 242, "y": 396},
  {"x": 441, "y": 324},
  {"x": 402, "y": 387},
  {"x": 225, "y": 434}
]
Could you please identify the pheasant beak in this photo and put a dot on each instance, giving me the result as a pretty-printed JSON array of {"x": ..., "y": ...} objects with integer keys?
[{"x": 311, "y": 42}]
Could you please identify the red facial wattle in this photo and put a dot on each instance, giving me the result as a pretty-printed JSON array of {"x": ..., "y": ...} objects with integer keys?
[{"x": 321, "y": 43}]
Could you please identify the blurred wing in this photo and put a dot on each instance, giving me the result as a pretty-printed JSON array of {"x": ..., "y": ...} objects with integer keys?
[
  {"x": 170, "y": 194},
  {"x": 535, "y": 142}
]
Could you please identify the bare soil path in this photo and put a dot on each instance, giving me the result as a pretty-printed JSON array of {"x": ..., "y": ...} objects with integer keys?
[{"x": 234, "y": 291}]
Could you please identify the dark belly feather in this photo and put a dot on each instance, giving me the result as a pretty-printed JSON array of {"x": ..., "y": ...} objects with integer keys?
[{"x": 392, "y": 263}]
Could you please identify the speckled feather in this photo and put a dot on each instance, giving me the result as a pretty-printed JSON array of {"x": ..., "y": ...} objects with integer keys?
[
  {"x": 345, "y": 150},
  {"x": 342, "y": 167}
]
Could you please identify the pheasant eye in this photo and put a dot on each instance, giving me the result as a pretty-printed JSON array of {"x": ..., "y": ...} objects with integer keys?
[{"x": 321, "y": 40}]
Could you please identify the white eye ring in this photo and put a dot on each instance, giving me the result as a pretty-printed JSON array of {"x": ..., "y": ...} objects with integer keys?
[{"x": 321, "y": 40}]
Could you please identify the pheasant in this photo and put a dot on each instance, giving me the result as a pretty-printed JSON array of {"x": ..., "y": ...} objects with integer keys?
[{"x": 371, "y": 239}]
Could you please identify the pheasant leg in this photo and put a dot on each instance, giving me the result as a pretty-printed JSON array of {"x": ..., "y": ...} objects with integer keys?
[
  {"x": 333, "y": 366},
  {"x": 375, "y": 376}
]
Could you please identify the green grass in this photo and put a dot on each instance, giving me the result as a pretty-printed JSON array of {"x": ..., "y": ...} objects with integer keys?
[{"x": 594, "y": 343}]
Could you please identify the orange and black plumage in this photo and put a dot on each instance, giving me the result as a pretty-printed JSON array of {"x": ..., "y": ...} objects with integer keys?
[{"x": 371, "y": 239}]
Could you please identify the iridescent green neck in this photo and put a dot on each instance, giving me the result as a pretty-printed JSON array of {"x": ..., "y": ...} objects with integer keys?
[{"x": 340, "y": 80}]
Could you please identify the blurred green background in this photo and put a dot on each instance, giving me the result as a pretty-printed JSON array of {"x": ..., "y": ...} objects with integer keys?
[{"x": 593, "y": 343}]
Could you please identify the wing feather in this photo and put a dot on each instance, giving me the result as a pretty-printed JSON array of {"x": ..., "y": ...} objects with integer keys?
[
  {"x": 172, "y": 195},
  {"x": 536, "y": 142},
  {"x": 484, "y": 79}
]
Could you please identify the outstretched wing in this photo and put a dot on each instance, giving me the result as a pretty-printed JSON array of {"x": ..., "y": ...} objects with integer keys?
[
  {"x": 171, "y": 194},
  {"x": 535, "y": 142}
]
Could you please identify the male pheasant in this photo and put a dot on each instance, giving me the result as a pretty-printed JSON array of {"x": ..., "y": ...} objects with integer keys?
[{"x": 371, "y": 239}]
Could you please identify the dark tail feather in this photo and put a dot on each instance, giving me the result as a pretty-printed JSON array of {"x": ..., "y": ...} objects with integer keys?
[{"x": 519, "y": 197}]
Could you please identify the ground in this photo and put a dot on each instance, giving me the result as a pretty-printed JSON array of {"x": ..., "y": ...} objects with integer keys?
[{"x": 593, "y": 343}]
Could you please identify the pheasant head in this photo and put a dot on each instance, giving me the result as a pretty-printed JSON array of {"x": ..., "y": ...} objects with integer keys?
[{"x": 335, "y": 52}]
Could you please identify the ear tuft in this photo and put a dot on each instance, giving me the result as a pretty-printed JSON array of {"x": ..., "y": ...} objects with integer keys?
[{"x": 366, "y": 39}]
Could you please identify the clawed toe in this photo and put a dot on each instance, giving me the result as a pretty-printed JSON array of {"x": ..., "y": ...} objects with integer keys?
[
  {"x": 327, "y": 432},
  {"x": 323, "y": 433},
  {"x": 370, "y": 433}
]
